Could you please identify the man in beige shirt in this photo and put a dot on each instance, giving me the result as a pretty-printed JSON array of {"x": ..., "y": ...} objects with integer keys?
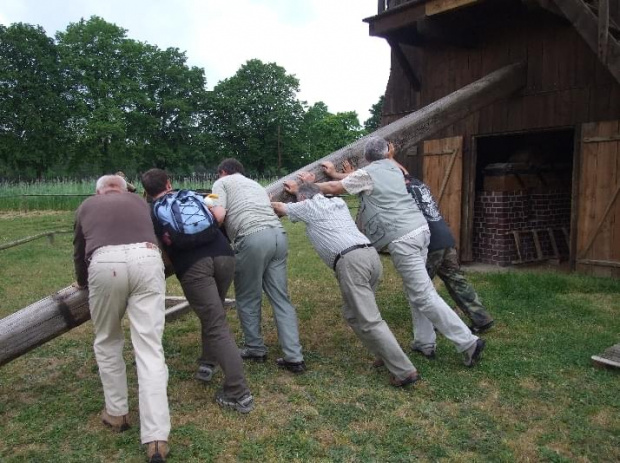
[{"x": 261, "y": 249}]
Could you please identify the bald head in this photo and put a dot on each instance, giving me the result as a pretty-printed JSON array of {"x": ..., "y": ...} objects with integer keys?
[{"x": 111, "y": 183}]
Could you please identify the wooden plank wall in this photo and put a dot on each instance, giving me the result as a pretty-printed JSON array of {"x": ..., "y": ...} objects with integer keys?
[
  {"x": 598, "y": 237},
  {"x": 566, "y": 85}
]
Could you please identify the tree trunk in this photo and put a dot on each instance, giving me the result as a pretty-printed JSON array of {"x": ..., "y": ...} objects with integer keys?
[{"x": 410, "y": 130}]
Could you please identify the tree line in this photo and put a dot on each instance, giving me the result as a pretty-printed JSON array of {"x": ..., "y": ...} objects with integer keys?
[{"x": 92, "y": 100}]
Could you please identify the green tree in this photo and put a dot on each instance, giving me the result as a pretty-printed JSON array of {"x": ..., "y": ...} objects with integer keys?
[
  {"x": 374, "y": 121},
  {"x": 133, "y": 105},
  {"x": 33, "y": 111},
  {"x": 324, "y": 132},
  {"x": 255, "y": 116},
  {"x": 101, "y": 83},
  {"x": 167, "y": 116}
]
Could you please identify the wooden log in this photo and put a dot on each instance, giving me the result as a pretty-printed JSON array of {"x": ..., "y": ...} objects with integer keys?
[
  {"x": 406, "y": 132},
  {"x": 42, "y": 321},
  {"x": 56, "y": 314},
  {"x": 68, "y": 308}
]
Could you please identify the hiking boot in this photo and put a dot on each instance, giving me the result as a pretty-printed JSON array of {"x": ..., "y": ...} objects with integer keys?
[
  {"x": 249, "y": 355},
  {"x": 473, "y": 354},
  {"x": 410, "y": 379},
  {"x": 116, "y": 423},
  {"x": 428, "y": 353},
  {"x": 293, "y": 367},
  {"x": 243, "y": 405},
  {"x": 483, "y": 328},
  {"x": 157, "y": 451},
  {"x": 205, "y": 372}
]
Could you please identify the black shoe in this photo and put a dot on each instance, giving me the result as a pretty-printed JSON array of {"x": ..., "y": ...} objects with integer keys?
[
  {"x": 294, "y": 367},
  {"x": 428, "y": 354},
  {"x": 473, "y": 354},
  {"x": 482, "y": 329},
  {"x": 243, "y": 405},
  {"x": 205, "y": 372},
  {"x": 249, "y": 355}
]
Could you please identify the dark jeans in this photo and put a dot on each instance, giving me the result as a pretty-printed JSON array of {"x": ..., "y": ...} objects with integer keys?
[{"x": 205, "y": 285}]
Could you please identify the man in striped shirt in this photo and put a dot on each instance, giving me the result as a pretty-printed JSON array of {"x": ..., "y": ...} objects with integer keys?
[
  {"x": 358, "y": 269},
  {"x": 392, "y": 221}
]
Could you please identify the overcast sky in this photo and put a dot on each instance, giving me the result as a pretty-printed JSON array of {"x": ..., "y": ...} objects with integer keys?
[{"x": 322, "y": 42}]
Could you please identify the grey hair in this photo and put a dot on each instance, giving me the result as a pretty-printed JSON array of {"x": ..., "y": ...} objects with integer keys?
[
  {"x": 308, "y": 190},
  {"x": 111, "y": 182},
  {"x": 376, "y": 148}
]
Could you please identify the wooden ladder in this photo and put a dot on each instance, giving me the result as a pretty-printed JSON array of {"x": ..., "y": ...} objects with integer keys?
[{"x": 536, "y": 238}]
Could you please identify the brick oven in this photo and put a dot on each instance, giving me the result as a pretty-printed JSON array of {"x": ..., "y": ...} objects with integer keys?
[{"x": 522, "y": 207}]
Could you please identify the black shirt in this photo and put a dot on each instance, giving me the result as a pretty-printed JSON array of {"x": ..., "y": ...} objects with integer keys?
[
  {"x": 183, "y": 259},
  {"x": 441, "y": 236}
]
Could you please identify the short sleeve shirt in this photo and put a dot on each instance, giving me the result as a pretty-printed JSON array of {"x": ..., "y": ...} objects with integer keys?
[
  {"x": 329, "y": 225},
  {"x": 358, "y": 182}
]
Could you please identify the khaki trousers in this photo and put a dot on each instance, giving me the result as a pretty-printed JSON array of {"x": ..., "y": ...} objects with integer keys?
[
  {"x": 358, "y": 273},
  {"x": 130, "y": 278},
  {"x": 428, "y": 309}
]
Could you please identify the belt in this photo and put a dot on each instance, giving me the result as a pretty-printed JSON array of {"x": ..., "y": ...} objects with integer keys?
[
  {"x": 346, "y": 251},
  {"x": 114, "y": 247}
]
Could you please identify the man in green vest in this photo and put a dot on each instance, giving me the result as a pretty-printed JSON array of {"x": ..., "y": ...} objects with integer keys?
[{"x": 393, "y": 222}]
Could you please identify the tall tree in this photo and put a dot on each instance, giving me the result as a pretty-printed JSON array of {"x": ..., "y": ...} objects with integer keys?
[
  {"x": 101, "y": 82},
  {"x": 33, "y": 111},
  {"x": 134, "y": 105},
  {"x": 324, "y": 132},
  {"x": 166, "y": 119},
  {"x": 374, "y": 121},
  {"x": 256, "y": 117}
]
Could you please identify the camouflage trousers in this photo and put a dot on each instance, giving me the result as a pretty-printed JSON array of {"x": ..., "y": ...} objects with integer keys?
[{"x": 444, "y": 262}]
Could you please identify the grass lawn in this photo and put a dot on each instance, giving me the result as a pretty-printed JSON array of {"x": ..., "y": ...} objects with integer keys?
[{"x": 534, "y": 397}]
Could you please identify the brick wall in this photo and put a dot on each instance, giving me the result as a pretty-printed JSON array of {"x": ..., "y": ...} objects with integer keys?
[{"x": 498, "y": 213}]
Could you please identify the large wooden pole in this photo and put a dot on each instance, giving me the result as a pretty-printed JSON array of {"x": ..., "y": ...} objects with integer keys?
[
  {"x": 54, "y": 315},
  {"x": 410, "y": 130}
]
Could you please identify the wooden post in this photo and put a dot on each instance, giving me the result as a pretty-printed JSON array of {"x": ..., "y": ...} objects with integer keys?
[{"x": 410, "y": 130}]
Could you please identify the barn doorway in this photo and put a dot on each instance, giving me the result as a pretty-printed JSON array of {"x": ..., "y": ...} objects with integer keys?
[{"x": 522, "y": 205}]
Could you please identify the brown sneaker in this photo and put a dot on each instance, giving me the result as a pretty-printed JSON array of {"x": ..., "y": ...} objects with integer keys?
[
  {"x": 116, "y": 423},
  {"x": 378, "y": 363},
  {"x": 412, "y": 378},
  {"x": 157, "y": 451}
]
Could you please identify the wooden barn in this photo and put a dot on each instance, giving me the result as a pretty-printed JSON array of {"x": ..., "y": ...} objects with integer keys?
[{"x": 535, "y": 175}]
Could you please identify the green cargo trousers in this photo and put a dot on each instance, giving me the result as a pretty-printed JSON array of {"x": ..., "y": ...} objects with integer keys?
[{"x": 444, "y": 262}]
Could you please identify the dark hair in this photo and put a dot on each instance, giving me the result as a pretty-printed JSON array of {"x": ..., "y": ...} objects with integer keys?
[
  {"x": 154, "y": 181},
  {"x": 231, "y": 166},
  {"x": 308, "y": 190}
]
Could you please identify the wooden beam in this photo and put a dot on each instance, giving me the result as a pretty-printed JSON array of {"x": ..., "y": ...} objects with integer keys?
[
  {"x": 434, "y": 7},
  {"x": 393, "y": 19},
  {"x": 56, "y": 314},
  {"x": 601, "y": 263},
  {"x": 603, "y": 30},
  {"x": 408, "y": 131},
  {"x": 586, "y": 23},
  {"x": 405, "y": 65}
]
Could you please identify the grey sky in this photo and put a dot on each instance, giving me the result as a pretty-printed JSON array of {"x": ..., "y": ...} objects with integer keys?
[{"x": 323, "y": 42}]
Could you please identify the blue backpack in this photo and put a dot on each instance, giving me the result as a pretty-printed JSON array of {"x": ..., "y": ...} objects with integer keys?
[{"x": 185, "y": 220}]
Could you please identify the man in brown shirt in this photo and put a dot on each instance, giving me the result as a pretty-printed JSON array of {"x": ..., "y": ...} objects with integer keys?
[{"x": 116, "y": 259}]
